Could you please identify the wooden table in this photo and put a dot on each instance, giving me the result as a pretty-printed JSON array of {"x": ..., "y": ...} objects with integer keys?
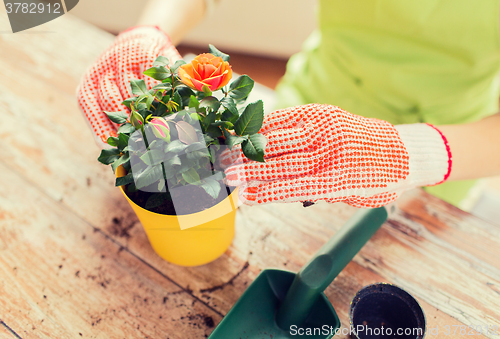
[{"x": 75, "y": 262}]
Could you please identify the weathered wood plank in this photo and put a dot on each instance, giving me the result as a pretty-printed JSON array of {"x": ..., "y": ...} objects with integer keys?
[
  {"x": 440, "y": 274},
  {"x": 60, "y": 158},
  {"x": 60, "y": 278},
  {"x": 354, "y": 277},
  {"x": 6, "y": 332}
]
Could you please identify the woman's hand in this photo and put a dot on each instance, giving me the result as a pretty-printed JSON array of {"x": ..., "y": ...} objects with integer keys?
[
  {"x": 321, "y": 152},
  {"x": 107, "y": 83}
]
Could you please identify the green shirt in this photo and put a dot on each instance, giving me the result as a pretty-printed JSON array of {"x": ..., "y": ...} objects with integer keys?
[{"x": 402, "y": 61}]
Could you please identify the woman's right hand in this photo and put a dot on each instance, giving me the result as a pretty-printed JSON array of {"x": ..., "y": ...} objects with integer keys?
[{"x": 321, "y": 152}]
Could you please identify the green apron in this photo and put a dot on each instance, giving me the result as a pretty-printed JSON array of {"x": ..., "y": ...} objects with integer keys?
[{"x": 403, "y": 61}]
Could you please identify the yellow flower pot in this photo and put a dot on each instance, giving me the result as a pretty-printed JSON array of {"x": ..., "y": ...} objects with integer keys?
[{"x": 205, "y": 236}]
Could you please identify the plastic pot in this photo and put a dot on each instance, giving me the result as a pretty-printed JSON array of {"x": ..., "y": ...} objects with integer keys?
[
  {"x": 386, "y": 311},
  {"x": 205, "y": 236}
]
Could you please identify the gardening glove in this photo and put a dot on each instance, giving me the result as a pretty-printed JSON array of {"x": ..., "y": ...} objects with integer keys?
[
  {"x": 107, "y": 83},
  {"x": 321, "y": 152}
]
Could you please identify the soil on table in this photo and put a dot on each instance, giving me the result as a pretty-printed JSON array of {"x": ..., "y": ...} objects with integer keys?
[{"x": 190, "y": 199}]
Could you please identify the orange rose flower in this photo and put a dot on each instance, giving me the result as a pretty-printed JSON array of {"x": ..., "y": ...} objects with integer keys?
[{"x": 206, "y": 69}]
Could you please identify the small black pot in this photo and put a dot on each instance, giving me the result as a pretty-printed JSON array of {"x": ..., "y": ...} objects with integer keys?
[{"x": 386, "y": 311}]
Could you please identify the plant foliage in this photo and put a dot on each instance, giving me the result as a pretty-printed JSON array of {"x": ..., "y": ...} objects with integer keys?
[{"x": 169, "y": 136}]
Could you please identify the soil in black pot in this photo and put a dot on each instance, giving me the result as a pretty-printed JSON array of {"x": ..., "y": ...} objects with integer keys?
[{"x": 189, "y": 199}]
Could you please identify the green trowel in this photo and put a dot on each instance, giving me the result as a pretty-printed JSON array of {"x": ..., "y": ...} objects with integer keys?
[{"x": 281, "y": 304}]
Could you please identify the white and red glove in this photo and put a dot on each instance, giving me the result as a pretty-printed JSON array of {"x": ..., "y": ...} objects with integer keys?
[
  {"x": 107, "y": 83},
  {"x": 321, "y": 152}
]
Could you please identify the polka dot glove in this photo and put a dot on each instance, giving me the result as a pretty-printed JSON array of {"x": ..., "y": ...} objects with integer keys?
[
  {"x": 321, "y": 152},
  {"x": 107, "y": 83}
]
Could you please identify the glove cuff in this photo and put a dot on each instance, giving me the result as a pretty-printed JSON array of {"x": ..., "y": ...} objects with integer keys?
[{"x": 429, "y": 154}]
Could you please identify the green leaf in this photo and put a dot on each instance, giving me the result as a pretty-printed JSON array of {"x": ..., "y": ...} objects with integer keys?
[
  {"x": 185, "y": 93},
  {"x": 156, "y": 144},
  {"x": 118, "y": 117},
  {"x": 173, "y": 161},
  {"x": 122, "y": 141},
  {"x": 175, "y": 147},
  {"x": 153, "y": 157},
  {"x": 126, "y": 129},
  {"x": 125, "y": 180},
  {"x": 250, "y": 121},
  {"x": 112, "y": 141},
  {"x": 178, "y": 99},
  {"x": 208, "y": 139},
  {"x": 186, "y": 165},
  {"x": 161, "y": 110},
  {"x": 233, "y": 140},
  {"x": 109, "y": 156},
  {"x": 123, "y": 159},
  {"x": 195, "y": 116},
  {"x": 176, "y": 65},
  {"x": 141, "y": 98},
  {"x": 128, "y": 102},
  {"x": 178, "y": 83},
  {"x": 229, "y": 116},
  {"x": 241, "y": 87},
  {"x": 210, "y": 103},
  {"x": 196, "y": 151},
  {"x": 158, "y": 72},
  {"x": 229, "y": 104},
  {"x": 226, "y": 124},
  {"x": 141, "y": 108},
  {"x": 206, "y": 90},
  {"x": 214, "y": 132},
  {"x": 138, "y": 87},
  {"x": 198, "y": 155},
  {"x": 191, "y": 176},
  {"x": 149, "y": 176},
  {"x": 193, "y": 102},
  {"x": 161, "y": 185},
  {"x": 161, "y": 61},
  {"x": 187, "y": 133},
  {"x": 217, "y": 53},
  {"x": 254, "y": 147},
  {"x": 126, "y": 166},
  {"x": 211, "y": 186},
  {"x": 163, "y": 86},
  {"x": 149, "y": 101},
  {"x": 209, "y": 119}
]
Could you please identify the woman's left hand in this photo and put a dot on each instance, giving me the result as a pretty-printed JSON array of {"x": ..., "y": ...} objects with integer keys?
[{"x": 107, "y": 83}]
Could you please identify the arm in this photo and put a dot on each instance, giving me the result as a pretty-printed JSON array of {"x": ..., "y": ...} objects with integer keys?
[
  {"x": 475, "y": 148},
  {"x": 188, "y": 13}
]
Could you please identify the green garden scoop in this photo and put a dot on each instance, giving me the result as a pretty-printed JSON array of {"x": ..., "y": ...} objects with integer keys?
[{"x": 281, "y": 304}]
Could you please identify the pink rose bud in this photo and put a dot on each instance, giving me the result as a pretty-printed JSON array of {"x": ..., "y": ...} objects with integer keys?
[
  {"x": 160, "y": 128},
  {"x": 137, "y": 120}
]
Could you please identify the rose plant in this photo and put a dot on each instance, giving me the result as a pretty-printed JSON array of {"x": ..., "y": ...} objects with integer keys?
[{"x": 169, "y": 136}]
